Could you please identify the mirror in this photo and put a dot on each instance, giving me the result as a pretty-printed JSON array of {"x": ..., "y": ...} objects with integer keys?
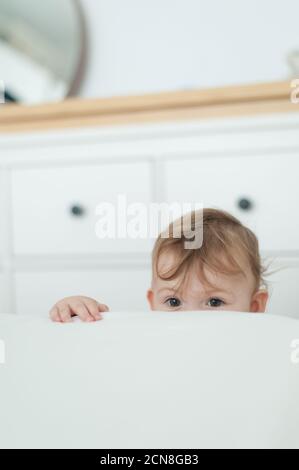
[{"x": 41, "y": 49}]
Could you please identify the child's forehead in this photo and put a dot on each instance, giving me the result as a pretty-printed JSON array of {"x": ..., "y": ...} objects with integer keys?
[
  {"x": 195, "y": 283},
  {"x": 196, "y": 280}
]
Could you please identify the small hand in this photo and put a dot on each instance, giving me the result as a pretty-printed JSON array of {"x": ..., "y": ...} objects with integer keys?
[{"x": 86, "y": 308}]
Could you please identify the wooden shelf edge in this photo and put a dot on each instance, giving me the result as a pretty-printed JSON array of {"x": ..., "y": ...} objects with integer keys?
[{"x": 204, "y": 103}]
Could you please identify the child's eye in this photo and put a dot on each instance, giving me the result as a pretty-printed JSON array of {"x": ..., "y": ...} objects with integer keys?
[
  {"x": 215, "y": 302},
  {"x": 173, "y": 302}
]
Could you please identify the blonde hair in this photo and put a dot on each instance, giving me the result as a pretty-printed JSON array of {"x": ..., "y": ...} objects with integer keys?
[{"x": 228, "y": 247}]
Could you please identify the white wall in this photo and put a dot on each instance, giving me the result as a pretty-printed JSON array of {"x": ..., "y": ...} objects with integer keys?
[{"x": 138, "y": 46}]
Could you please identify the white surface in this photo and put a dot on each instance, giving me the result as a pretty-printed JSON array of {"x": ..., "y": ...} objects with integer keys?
[
  {"x": 141, "y": 46},
  {"x": 150, "y": 380}
]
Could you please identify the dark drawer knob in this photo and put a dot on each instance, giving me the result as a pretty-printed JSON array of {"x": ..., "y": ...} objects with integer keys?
[
  {"x": 245, "y": 204},
  {"x": 77, "y": 210}
]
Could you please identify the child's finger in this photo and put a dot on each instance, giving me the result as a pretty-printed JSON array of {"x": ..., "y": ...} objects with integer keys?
[
  {"x": 54, "y": 314},
  {"x": 103, "y": 307},
  {"x": 93, "y": 309},
  {"x": 81, "y": 310},
  {"x": 64, "y": 312}
]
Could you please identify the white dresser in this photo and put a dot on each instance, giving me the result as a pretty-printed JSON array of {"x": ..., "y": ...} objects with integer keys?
[{"x": 51, "y": 182}]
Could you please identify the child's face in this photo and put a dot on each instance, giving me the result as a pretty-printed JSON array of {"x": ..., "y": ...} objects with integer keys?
[{"x": 226, "y": 292}]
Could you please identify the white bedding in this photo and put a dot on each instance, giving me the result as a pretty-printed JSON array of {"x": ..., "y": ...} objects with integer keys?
[{"x": 150, "y": 380}]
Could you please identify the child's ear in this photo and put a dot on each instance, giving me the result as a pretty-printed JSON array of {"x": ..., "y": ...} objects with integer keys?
[
  {"x": 150, "y": 298},
  {"x": 259, "y": 301}
]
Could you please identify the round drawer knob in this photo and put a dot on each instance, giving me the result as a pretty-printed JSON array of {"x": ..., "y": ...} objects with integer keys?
[
  {"x": 245, "y": 204},
  {"x": 77, "y": 210}
]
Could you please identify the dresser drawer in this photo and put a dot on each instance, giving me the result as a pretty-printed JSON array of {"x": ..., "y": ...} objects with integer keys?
[
  {"x": 121, "y": 289},
  {"x": 265, "y": 186},
  {"x": 283, "y": 282},
  {"x": 54, "y": 209}
]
